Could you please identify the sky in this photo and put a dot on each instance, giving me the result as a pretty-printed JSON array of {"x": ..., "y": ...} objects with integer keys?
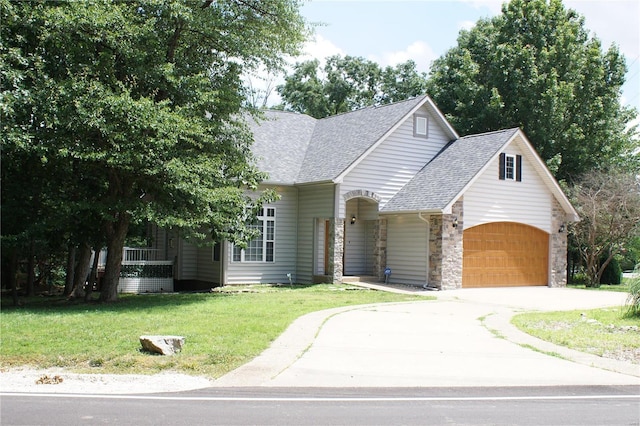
[{"x": 391, "y": 32}]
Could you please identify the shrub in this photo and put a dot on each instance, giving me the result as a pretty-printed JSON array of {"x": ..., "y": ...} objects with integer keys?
[
  {"x": 612, "y": 274},
  {"x": 579, "y": 278},
  {"x": 634, "y": 294}
]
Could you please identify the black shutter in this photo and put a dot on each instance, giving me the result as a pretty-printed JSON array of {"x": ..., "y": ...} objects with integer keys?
[
  {"x": 502, "y": 165},
  {"x": 519, "y": 168}
]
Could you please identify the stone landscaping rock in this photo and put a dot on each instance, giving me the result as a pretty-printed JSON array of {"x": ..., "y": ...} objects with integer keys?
[{"x": 163, "y": 345}]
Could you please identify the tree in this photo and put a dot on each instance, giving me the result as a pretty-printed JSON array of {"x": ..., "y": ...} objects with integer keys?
[
  {"x": 131, "y": 111},
  {"x": 535, "y": 66},
  {"x": 346, "y": 84},
  {"x": 608, "y": 203}
]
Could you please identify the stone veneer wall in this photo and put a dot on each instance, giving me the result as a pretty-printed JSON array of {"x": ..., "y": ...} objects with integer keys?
[
  {"x": 435, "y": 251},
  {"x": 336, "y": 250},
  {"x": 452, "y": 247},
  {"x": 445, "y": 248},
  {"x": 557, "y": 247},
  {"x": 380, "y": 249}
]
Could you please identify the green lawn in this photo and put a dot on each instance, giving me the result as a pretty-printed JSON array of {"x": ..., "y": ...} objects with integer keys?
[
  {"x": 225, "y": 330},
  {"x": 222, "y": 330},
  {"x": 622, "y": 288},
  {"x": 604, "y": 332}
]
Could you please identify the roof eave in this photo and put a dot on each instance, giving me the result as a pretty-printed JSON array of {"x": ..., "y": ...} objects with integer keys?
[{"x": 395, "y": 212}]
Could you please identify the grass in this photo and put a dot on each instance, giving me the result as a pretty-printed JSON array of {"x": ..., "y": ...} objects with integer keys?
[
  {"x": 603, "y": 332},
  {"x": 622, "y": 288},
  {"x": 223, "y": 330}
]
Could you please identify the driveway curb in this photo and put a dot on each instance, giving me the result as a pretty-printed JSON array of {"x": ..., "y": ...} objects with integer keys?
[{"x": 500, "y": 323}]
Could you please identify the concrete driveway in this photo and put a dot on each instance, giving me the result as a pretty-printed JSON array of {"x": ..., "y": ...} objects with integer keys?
[{"x": 464, "y": 338}]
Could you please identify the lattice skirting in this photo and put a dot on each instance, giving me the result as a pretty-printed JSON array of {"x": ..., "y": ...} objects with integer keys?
[{"x": 145, "y": 285}]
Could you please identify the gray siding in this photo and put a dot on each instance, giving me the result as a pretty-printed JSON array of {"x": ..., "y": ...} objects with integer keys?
[
  {"x": 208, "y": 270},
  {"x": 358, "y": 250},
  {"x": 285, "y": 247},
  {"x": 395, "y": 161},
  {"x": 188, "y": 261},
  {"x": 314, "y": 202},
  {"x": 319, "y": 245},
  {"x": 407, "y": 249}
]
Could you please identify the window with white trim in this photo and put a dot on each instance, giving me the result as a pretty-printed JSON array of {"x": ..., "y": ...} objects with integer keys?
[
  {"x": 261, "y": 248},
  {"x": 510, "y": 167},
  {"x": 420, "y": 126}
]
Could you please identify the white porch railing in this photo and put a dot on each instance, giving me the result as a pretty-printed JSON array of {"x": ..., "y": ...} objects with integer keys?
[
  {"x": 143, "y": 272},
  {"x": 130, "y": 254}
]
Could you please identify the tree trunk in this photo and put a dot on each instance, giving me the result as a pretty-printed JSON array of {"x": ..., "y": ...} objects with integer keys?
[
  {"x": 71, "y": 263},
  {"x": 31, "y": 269},
  {"x": 13, "y": 282},
  {"x": 116, "y": 233},
  {"x": 592, "y": 271},
  {"x": 93, "y": 279},
  {"x": 82, "y": 270}
]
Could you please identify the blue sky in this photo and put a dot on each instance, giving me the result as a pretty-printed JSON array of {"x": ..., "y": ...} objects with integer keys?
[{"x": 390, "y": 32}]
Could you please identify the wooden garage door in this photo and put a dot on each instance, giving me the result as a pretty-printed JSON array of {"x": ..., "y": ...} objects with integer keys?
[{"x": 505, "y": 254}]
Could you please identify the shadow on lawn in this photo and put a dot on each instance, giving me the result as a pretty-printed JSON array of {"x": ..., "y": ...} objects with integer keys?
[{"x": 127, "y": 302}]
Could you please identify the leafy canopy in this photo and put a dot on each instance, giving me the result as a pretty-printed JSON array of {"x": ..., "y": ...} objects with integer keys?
[
  {"x": 535, "y": 66},
  {"x": 347, "y": 83},
  {"x": 123, "y": 112}
]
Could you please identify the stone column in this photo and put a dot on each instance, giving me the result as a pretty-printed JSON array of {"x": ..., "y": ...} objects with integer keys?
[
  {"x": 452, "y": 228},
  {"x": 445, "y": 248},
  {"x": 558, "y": 247},
  {"x": 380, "y": 250},
  {"x": 336, "y": 250},
  {"x": 435, "y": 251}
]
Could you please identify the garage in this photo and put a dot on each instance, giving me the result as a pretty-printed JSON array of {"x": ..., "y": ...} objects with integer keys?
[{"x": 505, "y": 254}]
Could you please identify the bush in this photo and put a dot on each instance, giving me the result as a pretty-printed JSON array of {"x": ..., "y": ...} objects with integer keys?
[
  {"x": 634, "y": 294},
  {"x": 579, "y": 278},
  {"x": 612, "y": 273}
]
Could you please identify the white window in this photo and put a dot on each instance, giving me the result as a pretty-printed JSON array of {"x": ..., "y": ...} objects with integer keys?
[
  {"x": 261, "y": 248},
  {"x": 420, "y": 126},
  {"x": 510, "y": 167}
]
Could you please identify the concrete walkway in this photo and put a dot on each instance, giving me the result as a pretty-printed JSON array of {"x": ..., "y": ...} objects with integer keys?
[{"x": 463, "y": 339}]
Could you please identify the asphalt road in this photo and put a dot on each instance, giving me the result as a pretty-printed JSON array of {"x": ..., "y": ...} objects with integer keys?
[{"x": 593, "y": 405}]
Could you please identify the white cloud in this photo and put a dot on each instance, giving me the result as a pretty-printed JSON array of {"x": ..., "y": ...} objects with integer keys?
[
  {"x": 612, "y": 22},
  {"x": 418, "y": 51},
  {"x": 319, "y": 48},
  {"x": 493, "y": 6},
  {"x": 466, "y": 25}
]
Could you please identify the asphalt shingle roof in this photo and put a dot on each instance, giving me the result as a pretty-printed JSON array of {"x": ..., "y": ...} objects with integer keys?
[
  {"x": 446, "y": 175},
  {"x": 280, "y": 144},
  {"x": 338, "y": 141},
  {"x": 297, "y": 148}
]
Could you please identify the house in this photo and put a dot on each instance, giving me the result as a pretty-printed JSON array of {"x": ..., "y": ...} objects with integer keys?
[{"x": 392, "y": 189}]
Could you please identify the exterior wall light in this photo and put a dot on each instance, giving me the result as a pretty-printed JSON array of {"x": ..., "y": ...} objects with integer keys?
[
  {"x": 562, "y": 228},
  {"x": 455, "y": 222},
  {"x": 353, "y": 219}
]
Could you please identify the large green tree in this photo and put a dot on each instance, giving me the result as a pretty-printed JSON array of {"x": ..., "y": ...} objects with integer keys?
[
  {"x": 132, "y": 111},
  {"x": 346, "y": 84},
  {"x": 536, "y": 66}
]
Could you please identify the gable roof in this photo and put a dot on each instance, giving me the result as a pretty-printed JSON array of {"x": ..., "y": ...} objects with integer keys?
[
  {"x": 442, "y": 179},
  {"x": 329, "y": 155},
  {"x": 447, "y": 176},
  {"x": 295, "y": 148}
]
